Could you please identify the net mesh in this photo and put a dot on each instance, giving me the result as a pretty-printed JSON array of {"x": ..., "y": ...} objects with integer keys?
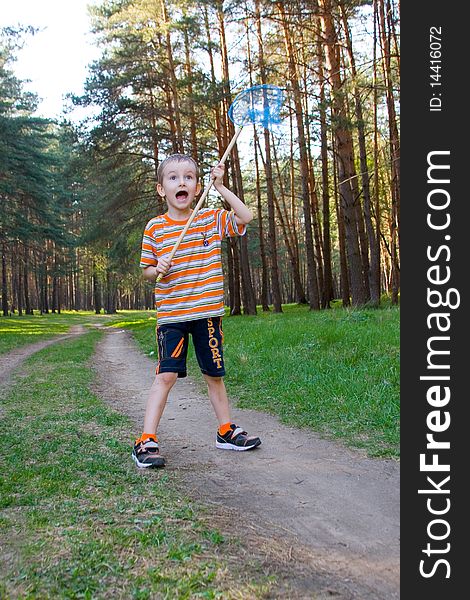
[{"x": 259, "y": 104}]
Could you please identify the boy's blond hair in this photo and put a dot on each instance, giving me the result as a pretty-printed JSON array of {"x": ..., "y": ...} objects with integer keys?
[{"x": 175, "y": 158}]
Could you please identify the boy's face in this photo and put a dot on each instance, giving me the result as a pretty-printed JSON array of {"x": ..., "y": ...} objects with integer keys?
[{"x": 179, "y": 184}]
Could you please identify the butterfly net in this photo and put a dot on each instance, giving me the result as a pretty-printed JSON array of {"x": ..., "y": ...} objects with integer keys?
[{"x": 259, "y": 104}]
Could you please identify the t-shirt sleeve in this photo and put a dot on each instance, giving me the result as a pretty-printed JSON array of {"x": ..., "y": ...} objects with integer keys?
[
  {"x": 227, "y": 225},
  {"x": 148, "y": 256}
]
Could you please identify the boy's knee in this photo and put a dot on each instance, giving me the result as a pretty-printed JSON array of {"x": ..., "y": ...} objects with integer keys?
[
  {"x": 214, "y": 381},
  {"x": 166, "y": 379}
]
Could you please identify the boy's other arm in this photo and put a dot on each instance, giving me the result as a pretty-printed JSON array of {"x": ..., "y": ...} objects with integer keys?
[
  {"x": 151, "y": 273},
  {"x": 243, "y": 214}
]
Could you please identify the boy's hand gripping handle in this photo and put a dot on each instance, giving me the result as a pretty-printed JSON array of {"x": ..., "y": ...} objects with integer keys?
[{"x": 200, "y": 202}]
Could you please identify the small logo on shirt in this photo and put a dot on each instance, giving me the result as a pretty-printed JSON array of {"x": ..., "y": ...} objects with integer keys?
[{"x": 205, "y": 241}]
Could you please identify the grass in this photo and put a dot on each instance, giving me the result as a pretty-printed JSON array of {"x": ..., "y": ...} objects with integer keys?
[
  {"x": 73, "y": 525},
  {"x": 334, "y": 371},
  {"x": 78, "y": 520},
  {"x": 18, "y": 331}
]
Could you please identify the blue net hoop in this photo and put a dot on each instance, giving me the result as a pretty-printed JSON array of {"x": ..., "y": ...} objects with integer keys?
[{"x": 259, "y": 104}]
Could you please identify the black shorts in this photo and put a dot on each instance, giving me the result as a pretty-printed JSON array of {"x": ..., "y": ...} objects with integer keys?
[{"x": 173, "y": 339}]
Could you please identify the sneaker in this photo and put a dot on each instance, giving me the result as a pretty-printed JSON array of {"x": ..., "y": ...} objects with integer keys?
[
  {"x": 147, "y": 454},
  {"x": 236, "y": 439}
]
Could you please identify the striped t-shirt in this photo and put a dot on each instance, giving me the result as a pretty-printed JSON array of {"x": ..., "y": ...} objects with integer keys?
[{"x": 193, "y": 288}]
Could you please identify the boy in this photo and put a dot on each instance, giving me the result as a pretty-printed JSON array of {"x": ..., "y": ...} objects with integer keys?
[{"x": 189, "y": 298}]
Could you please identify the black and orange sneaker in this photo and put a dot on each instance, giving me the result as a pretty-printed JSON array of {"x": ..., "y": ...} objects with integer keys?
[
  {"x": 236, "y": 439},
  {"x": 146, "y": 453}
]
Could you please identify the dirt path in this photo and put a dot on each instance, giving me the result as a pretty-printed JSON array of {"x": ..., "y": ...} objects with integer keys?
[
  {"x": 11, "y": 360},
  {"x": 333, "y": 512}
]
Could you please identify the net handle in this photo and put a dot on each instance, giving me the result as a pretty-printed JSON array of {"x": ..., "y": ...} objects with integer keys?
[{"x": 201, "y": 200}]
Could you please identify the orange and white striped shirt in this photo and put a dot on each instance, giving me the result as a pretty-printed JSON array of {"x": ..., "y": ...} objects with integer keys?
[{"x": 193, "y": 288}]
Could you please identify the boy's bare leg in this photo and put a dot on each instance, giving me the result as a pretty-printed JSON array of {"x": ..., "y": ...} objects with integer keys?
[
  {"x": 238, "y": 439},
  {"x": 218, "y": 398},
  {"x": 157, "y": 398}
]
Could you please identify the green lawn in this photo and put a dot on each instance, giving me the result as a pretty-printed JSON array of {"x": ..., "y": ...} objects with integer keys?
[
  {"x": 18, "y": 331},
  {"x": 78, "y": 520},
  {"x": 334, "y": 371}
]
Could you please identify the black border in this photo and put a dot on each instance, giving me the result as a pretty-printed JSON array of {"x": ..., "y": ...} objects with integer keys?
[{"x": 423, "y": 131}]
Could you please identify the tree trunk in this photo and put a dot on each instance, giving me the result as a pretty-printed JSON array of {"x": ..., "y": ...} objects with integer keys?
[
  {"x": 248, "y": 295},
  {"x": 4, "y": 281},
  {"x": 192, "y": 116},
  {"x": 153, "y": 124},
  {"x": 262, "y": 243},
  {"x": 344, "y": 276},
  {"x": 293, "y": 193},
  {"x": 317, "y": 233},
  {"x": 374, "y": 266},
  {"x": 218, "y": 122},
  {"x": 77, "y": 281},
  {"x": 45, "y": 287},
  {"x": 264, "y": 261},
  {"x": 394, "y": 142},
  {"x": 241, "y": 260},
  {"x": 173, "y": 80},
  {"x": 111, "y": 293},
  {"x": 20, "y": 281},
  {"x": 312, "y": 285},
  {"x": 27, "y": 302},
  {"x": 96, "y": 290},
  {"x": 55, "y": 292},
  {"x": 344, "y": 147},
  {"x": 297, "y": 282},
  {"x": 327, "y": 292},
  {"x": 272, "y": 242},
  {"x": 376, "y": 257},
  {"x": 14, "y": 278}
]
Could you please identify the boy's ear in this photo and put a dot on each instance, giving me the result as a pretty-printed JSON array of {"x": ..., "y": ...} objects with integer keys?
[
  {"x": 160, "y": 190},
  {"x": 198, "y": 188}
]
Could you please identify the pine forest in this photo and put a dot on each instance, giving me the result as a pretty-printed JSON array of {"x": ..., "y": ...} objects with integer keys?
[{"x": 324, "y": 185}]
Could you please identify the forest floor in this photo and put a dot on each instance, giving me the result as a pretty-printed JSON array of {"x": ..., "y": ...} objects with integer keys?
[
  {"x": 326, "y": 516},
  {"x": 331, "y": 510}
]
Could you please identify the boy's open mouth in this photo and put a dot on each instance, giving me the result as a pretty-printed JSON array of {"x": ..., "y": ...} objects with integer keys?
[{"x": 182, "y": 195}]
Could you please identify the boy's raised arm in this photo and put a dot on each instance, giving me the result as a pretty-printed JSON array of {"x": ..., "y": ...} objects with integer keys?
[{"x": 243, "y": 214}]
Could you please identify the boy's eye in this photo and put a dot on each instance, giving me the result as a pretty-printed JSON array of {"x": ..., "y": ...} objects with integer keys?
[
  {"x": 189, "y": 176},
  {"x": 172, "y": 176}
]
